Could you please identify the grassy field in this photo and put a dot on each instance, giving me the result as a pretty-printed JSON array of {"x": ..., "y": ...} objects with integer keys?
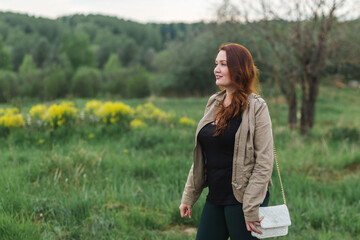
[{"x": 129, "y": 186}]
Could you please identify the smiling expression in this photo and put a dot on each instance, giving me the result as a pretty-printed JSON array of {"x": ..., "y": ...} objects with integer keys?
[{"x": 221, "y": 71}]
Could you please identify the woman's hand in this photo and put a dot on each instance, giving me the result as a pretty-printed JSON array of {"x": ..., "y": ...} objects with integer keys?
[
  {"x": 185, "y": 210},
  {"x": 250, "y": 226}
]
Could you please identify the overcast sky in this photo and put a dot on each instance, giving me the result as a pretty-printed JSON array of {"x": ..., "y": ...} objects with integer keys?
[{"x": 137, "y": 10}]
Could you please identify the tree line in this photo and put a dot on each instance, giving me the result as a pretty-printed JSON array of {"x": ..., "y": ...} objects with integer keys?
[{"x": 94, "y": 55}]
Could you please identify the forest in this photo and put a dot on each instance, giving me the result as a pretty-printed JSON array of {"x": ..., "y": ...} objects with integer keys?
[{"x": 97, "y": 55}]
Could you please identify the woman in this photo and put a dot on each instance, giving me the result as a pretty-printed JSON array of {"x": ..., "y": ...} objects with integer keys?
[{"x": 233, "y": 154}]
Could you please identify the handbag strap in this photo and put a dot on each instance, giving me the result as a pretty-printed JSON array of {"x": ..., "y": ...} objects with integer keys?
[{"x": 278, "y": 170}]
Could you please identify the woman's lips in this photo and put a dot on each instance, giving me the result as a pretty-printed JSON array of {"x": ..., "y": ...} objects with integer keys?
[{"x": 218, "y": 76}]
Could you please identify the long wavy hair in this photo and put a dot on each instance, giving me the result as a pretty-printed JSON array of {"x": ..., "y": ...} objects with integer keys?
[{"x": 244, "y": 77}]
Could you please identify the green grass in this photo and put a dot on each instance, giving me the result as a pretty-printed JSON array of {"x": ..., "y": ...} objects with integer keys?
[{"x": 129, "y": 186}]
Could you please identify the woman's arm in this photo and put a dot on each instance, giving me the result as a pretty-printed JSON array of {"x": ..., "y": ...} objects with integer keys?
[
  {"x": 190, "y": 194},
  {"x": 263, "y": 152}
]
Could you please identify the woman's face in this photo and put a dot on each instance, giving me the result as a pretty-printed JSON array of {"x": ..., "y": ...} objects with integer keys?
[{"x": 221, "y": 71}]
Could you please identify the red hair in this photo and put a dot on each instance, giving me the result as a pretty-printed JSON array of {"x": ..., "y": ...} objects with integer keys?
[{"x": 244, "y": 77}]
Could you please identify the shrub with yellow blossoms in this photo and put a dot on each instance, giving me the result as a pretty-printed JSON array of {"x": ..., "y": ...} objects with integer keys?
[
  {"x": 137, "y": 124},
  {"x": 91, "y": 111},
  {"x": 186, "y": 121},
  {"x": 115, "y": 112},
  {"x": 92, "y": 107},
  {"x": 148, "y": 112},
  {"x": 11, "y": 118},
  {"x": 38, "y": 114},
  {"x": 60, "y": 114}
]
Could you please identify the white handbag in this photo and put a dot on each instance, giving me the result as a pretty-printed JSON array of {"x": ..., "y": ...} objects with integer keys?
[{"x": 276, "y": 218}]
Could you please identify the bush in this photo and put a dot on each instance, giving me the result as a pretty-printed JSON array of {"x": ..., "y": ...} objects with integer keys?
[
  {"x": 138, "y": 83},
  {"x": 62, "y": 114},
  {"x": 351, "y": 134},
  {"x": 116, "y": 82},
  {"x": 86, "y": 82},
  {"x": 55, "y": 83},
  {"x": 31, "y": 78},
  {"x": 115, "y": 76},
  {"x": 8, "y": 85},
  {"x": 116, "y": 114}
]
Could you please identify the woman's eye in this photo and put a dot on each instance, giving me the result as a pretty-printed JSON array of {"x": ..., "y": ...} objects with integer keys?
[{"x": 224, "y": 64}]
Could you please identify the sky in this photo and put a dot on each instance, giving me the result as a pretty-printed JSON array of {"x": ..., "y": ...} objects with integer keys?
[{"x": 136, "y": 10}]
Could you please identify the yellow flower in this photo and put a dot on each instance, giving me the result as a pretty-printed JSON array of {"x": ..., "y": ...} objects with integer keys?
[
  {"x": 92, "y": 107},
  {"x": 41, "y": 141},
  {"x": 149, "y": 112},
  {"x": 91, "y": 135},
  {"x": 68, "y": 103},
  {"x": 58, "y": 115},
  {"x": 112, "y": 112},
  {"x": 137, "y": 124},
  {"x": 38, "y": 112},
  {"x": 126, "y": 151},
  {"x": 186, "y": 121},
  {"x": 11, "y": 118}
]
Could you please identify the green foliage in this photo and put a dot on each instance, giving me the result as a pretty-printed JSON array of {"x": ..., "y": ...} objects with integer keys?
[
  {"x": 345, "y": 133},
  {"x": 8, "y": 85},
  {"x": 113, "y": 64},
  {"x": 31, "y": 78},
  {"x": 13, "y": 228},
  {"x": 86, "y": 82},
  {"x": 178, "y": 55},
  {"x": 5, "y": 62},
  {"x": 129, "y": 185},
  {"x": 55, "y": 83},
  {"x": 138, "y": 83},
  {"x": 343, "y": 50},
  {"x": 187, "y": 68},
  {"x": 41, "y": 51},
  {"x": 116, "y": 76},
  {"x": 28, "y": 66},
  {"x": 21, "y": 44},
  {"x": 77, "y": 48}
]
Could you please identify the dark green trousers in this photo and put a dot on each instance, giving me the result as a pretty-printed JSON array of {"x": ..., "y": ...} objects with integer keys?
[{"x": 219, "y": 222}]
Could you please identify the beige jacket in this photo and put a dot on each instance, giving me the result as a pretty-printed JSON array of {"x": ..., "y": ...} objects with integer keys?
[{"x": 253, "y": 156}]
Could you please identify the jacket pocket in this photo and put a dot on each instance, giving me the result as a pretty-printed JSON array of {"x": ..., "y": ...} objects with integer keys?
[
  {"x": 249, "y": 155},
  {"x": 245, "y": 179}
]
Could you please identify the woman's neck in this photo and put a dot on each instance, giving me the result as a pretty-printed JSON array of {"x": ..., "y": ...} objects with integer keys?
[{"x": 227, "y": 100}]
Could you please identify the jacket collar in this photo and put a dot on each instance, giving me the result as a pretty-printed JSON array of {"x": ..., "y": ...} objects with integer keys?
[{"x": 220, "y": 95}]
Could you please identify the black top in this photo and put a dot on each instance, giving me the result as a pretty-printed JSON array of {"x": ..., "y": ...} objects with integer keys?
[{"x": 218, "y": 154}]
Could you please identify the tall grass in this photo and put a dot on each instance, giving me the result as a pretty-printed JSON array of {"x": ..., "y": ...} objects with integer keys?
[{"x": 128, "y": 186}]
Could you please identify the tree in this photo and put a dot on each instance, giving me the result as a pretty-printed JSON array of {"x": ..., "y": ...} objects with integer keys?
[
  {"x": 86, "y": 82},
  {"x": 5, "y": 61},
  {"x": 28, "y": 66},
  {"x": 55, "y": 83},
  {"x": 301, "y": 50},
  {"x": 187, "y": 68},
  {"x": 227, "y": 12},
  {"x": 8, "y": 85},
  {"x": 31, "y": 78},
  {"x": 138, "y": 83},
  {"x": 41, "y": 51},
  {"x": 116, "y": 76},
  {"x": 113, "y": 64},
  {"x": 77, "y": 48},
  {"x": 345, "y": 51}
]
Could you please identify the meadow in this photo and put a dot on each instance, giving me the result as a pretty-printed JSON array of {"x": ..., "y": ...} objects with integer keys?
[{"x": 128, "y": 185}]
